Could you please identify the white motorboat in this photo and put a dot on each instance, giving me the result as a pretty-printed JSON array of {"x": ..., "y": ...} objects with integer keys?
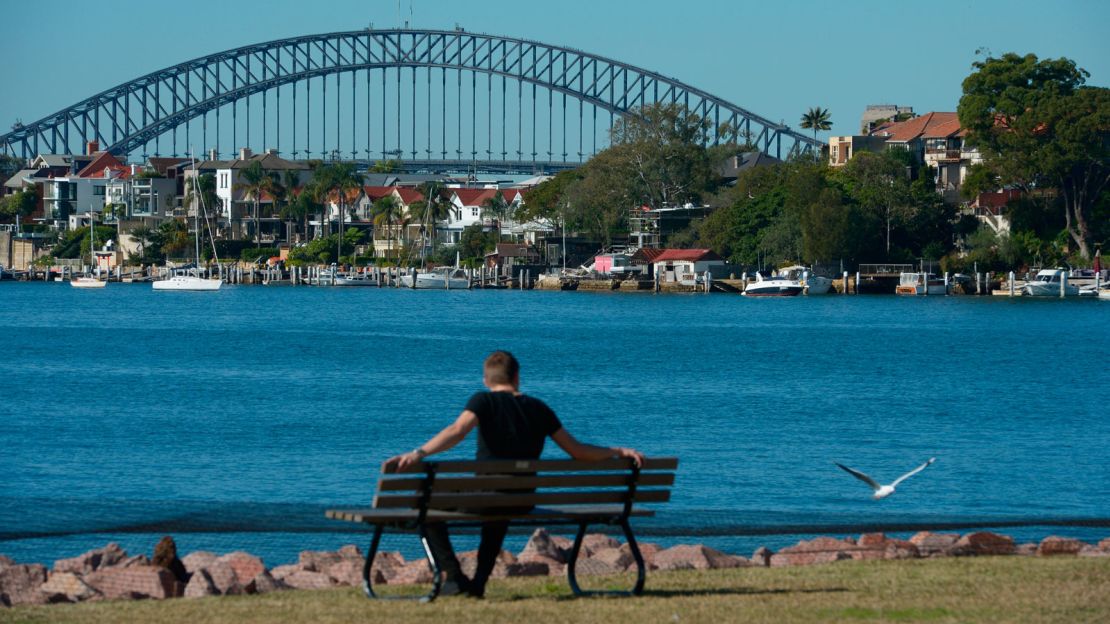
[
  {"x": 920, "y": 284},
  {"x": 182, "y": 280},
  {"x": 87, "y": 282},
  {"x": 812, "y": 284},
  {"x": 439, "y": 278},
  {"x": 355, "y": 279},
  {"x": 1048, "y": 283},
  {"x": 777, "y": 286}
]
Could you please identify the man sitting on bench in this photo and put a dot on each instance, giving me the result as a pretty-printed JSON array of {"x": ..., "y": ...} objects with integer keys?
[{"x": 511, "y": 425}]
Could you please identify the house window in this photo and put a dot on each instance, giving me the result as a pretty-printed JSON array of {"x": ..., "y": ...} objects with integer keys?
[
  {"x": 99, "y": 190},
  {"x": 474, "y": 212}
]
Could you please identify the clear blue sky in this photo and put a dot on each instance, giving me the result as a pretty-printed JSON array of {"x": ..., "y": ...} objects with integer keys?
[{"x": 773, "y": 58}]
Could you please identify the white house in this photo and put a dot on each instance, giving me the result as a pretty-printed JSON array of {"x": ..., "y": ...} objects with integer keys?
[
  {"x": 237, "y": 208},
  {"x": 680, "y": 265},
  {"x": 466, "y": 210}
]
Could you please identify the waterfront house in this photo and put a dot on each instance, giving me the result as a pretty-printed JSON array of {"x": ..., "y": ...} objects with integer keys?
[
  {"x": 395, "y": 239},
  {"x": 468, "y": 208},
  {"x": 512, "y": 254},
  {"x": 683, "y": 265},
  {"x": 936, "y": 140},
  {"x": 236, "y": 206}
]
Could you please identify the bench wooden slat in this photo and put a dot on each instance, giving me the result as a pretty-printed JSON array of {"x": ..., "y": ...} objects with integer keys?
[
  {"x": 510, "y": 466},
  {"x": 384, "y": 516},
  {"x": 497, "y": 482},
  {"x": 480, "y": 501}
]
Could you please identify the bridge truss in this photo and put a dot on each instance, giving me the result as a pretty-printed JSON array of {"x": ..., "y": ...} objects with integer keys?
[{"x": 432, "y": 100}]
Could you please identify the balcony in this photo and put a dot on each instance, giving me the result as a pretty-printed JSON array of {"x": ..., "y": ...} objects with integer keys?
[{"x": 943, "y": 155}]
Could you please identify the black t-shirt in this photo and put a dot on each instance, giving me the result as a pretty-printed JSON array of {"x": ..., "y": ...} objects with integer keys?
[{"x": 511, "y": 426}]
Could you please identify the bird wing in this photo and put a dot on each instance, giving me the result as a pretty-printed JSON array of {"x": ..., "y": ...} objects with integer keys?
[
  {"x": 913, "y": 472},
  {"x": 859, "y": 475}
]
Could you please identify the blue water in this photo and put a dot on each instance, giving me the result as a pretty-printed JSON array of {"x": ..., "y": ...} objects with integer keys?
[{"x": 232, "y": 419}]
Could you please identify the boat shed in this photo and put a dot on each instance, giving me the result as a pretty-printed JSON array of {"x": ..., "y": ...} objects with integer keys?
[{"x": 679, "y": 265}]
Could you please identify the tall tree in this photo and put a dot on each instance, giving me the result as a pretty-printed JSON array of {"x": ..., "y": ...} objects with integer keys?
[
  {"x": 816, "y": 119},
  {"x": 285, "y": 193},
  {"x": 387, "y": 211},
  {"x": 340, "y": 179},
  {"x": 498, "y": 210},
  {"x": 880, "y": 184},
  {"x": 1038, "y": 125},
  {"x": 436, "y": 208},
  {"x": 255, "y": 182},
  {"x": 664, "y": 147}
]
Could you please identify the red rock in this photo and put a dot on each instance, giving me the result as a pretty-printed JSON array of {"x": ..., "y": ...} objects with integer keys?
[
  {"x": 5, "y": 562},
  {"x": 468, "y": 562},
  {"x": 554, "y": 568},
  {"x": 616, "y": 558},
  {"x": 307, "y": 579},
  {"x": 67, "y": 587},
  {"x": 283, "y": 571},
  {"x": 542, "y": 543},
  {"x": 817, "y": 550},
  {"x": 1104, "y": 544},
  {"x": 695, "y": 557},
  {"x": 872, "y": 540},
  {"x": 246, "y": 565},
  {"x": 351, "y": 551},
  {"x": 92, "y": 560},
  {"x": 415, "y": 572},
  {"x": 588, "y": 566},
  {"x": 224, "y": 578},
  {"x": 900, "y": 549},
  {"x": 130, "y": 562},
  {"x": 595, "y": 542},
  {"x": 20, "y": 583},
  {"x": 934, "y": 544},
  {"x": 200, "y": 585},
  {"x": 347, "y": 572},
  {"x": 982, "y": 543},
  {"x": 1027, "y": 550},
  {"x": 318, "y": 560},
  {"x": 1055, "y": 545},
  {"x": 1093, "y": 551},
  {"x": 198, "y": 560},
  {"x": 264, "y": 583},
  {"x": 526, "y": 568},
  {"x": 134, "y": 582}
]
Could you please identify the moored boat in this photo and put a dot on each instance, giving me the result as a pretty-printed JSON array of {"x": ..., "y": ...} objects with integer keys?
[
  {"x": 811, "y": 284},
  {"x": 1050, "y": 283},
  {"x": 87, "y": 282},
  {"x": 187, "y": 283},
  {"x": 920, "y": 284},
  {"x": 439, "y": 278},
  {"x": 773, "y": 287}
]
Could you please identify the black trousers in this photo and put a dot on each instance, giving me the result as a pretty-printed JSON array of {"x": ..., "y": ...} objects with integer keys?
[{"x": 493, "y": 536}]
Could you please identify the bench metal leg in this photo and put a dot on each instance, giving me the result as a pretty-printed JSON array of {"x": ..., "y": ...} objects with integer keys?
[
  {"x": 641, "y": 573},
  {"x": 367, "y": 576}
]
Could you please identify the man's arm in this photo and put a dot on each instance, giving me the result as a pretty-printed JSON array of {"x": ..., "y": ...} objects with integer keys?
[
  {"x": 589, "y": 452},
  {"x": 447, "y": 438}
]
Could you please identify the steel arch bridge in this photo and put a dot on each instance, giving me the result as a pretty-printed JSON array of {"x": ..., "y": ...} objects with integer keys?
[{"x": 388, "y": 119}]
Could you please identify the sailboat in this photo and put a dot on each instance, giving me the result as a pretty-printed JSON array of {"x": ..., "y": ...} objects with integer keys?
[
  {"x": 193, "y": 282},
  {"x": 90, "y": 282}
]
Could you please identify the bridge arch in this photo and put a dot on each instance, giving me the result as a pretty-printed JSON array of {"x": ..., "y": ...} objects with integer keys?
[{"x": 130, "y": 116}]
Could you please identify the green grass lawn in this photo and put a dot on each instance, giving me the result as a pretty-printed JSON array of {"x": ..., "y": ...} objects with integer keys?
[{"x": 986, "y": 589}]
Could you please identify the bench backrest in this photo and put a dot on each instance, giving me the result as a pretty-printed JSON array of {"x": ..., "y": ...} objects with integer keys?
[{"x": 486, "y": 486}]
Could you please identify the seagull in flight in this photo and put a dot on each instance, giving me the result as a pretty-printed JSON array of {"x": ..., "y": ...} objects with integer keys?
[{"x": 882, "y": 491}]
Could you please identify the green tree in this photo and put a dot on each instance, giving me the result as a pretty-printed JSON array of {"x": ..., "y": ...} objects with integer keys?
[
  {"x": 663, "y": 147},
  {"x": 1038, "y": 125},
  {"x": 142, "y": 235},
  {"x": 498, "y": 210},
  {"x": 436, "y": 208},
  {"x": 255, "y": 181},
  {"x": 9, "y": 166},
  {"x": 21, "y": 203},
  {"x": 387, "y": 212},
  {"x": 285, "y": 193},
  {"x": 816, "y": 119},
  {"x": 880, "y": 184},
  {"x": 339, "y": 179}
]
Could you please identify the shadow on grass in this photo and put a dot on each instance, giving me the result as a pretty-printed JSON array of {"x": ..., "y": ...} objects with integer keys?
[{"x": 673, "y": 593}]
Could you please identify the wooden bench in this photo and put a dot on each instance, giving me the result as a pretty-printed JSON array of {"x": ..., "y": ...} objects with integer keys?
[{"x": 467, "y": 493}]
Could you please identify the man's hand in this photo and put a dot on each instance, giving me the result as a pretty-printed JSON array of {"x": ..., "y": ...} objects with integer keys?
[
  {"x": 400, "y": 462},
  {"x": 627, "y": 453}
]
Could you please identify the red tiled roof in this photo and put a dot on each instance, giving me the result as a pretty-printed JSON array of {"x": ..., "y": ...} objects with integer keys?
[
  {"x": 687, "y": 255},
  {"x": 475, "y": 197},
  {"x": 928, "y": 126},
  {"x": 510, "y": 195},
  {"x": 646, "y": 254},
  {"x": 100, "y": 162},
  {"x": 409, "y": 196},
  {"x": 377, "y": 192}
]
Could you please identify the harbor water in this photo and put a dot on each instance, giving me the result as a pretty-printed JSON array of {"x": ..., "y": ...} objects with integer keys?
[{"x": 231, "y": 420}]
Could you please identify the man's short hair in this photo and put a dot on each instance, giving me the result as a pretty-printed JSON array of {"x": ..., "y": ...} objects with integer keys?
[{"x": 501, "y": 367}]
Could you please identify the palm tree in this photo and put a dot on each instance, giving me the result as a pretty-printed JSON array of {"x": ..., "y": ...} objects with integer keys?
[
  {"x": 816, "y": 118},
  {"x": 498, "y": 209},
  {"x": 255, "y": 182},
  {"x": 142, "y": 235},
  {"x": 342, "y": 179},
  {"x": 387, "y": 211},
  {"x": 284, "y": 193}
]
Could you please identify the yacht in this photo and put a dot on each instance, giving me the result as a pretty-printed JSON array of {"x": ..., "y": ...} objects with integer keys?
[
  {"x": 812, "y": 284},
  {"x": 354, "y": 279},
  {"x": 87, "y": 282},
  {"x": 776, "y": 286},
  {"x": 1048, "y": 283},
  {"x": 182, "y": 280},
  {"x": 920, "y": 284},
  {"x": 441, "y": 278}
]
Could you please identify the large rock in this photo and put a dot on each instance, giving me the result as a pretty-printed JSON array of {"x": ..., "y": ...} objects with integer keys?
[
  {"x": 283, "y": 571},
  {"x": 817, "y": 550},
  {"x": 1025, "y": 550},
  {"x": 616, "y": 558},
  {"x": 67, "y": 587},
  {"x": 386, "y": 565},
  {"x": 133, "y": 561},
  {"x": 696, "y": 557},
  {"x": 308, "y": 579},
  {"x": 591, "y": 566},
  {"x": 1104, "y": 544},
  {"x": 346, "y": 572},
  {"x": 265, "y": 583},
  {"x": 931, "y": 544},
  {"x": 414, "y": 572},
  {"x": 351, "y": 551},
  {"x": 201, "y": 585},
  {"x": 224, "y": 578},
  {"x": 596, "y": 542},
  {"x": 198, "y": 560},
  {"x": 318, "y": 560},
  {"x": 1093, "y": 551},
  {"x": 543, "y": 544},
  {"x": 245, "y": 565},
  {"x": 982, "y": 543},
  {"x": 468, "y": 562},
  {"x": 5, "y": 562},
  {"x": 92, "y": 560},
  {"x": 20, "y": 583},
  {"x": 1055, "y": 545},
  {"x": 134, "y": 582},
  {"x": 526, "y": 568},
  {"x": 647, "y": 551}
]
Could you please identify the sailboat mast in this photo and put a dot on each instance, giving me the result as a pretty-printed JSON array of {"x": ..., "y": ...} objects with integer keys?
[{"x": 196, "y": 212}]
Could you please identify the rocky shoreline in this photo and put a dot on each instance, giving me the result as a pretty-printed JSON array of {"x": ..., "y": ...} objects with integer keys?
[{"x": 109, "y": 573}]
